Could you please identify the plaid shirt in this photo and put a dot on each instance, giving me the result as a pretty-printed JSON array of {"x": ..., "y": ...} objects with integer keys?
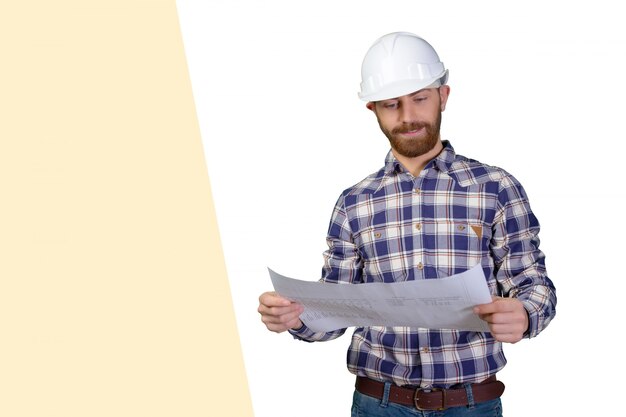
[{"x": 394, "y": 227}]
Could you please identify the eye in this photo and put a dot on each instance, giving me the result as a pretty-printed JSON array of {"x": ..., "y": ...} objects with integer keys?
[
  {"x": 390, "y": 105},
  {"x": 418, "y": 99}
]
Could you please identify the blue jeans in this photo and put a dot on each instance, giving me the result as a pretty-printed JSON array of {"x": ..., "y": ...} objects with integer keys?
[{"x": 365, "y": 406}]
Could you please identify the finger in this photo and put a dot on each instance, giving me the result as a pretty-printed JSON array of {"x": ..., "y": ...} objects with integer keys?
[
  {"x": 494, "y": 298},
  {"x": 499, "y": 305},
  {"x": 291, "y": 309},
  {"x": 490, "y": 308},
  {"x": 272, "y": 298},
  {"x": 507, "y": 337},
  {"x": 282, "y": 322},
  {"x": 483, "y": 309},
  {"x": 498, "y": 318},
  {"x": 279, "y": 328},
  {"x": 514, "y": 328},
  {"x": 484, "y": 317}
]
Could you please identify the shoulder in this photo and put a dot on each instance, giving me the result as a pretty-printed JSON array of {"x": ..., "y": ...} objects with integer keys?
[
  {"x": 362, "y": 191},
  {"x": 367, "y": 185},
  {"x": 467, "y": 172}
]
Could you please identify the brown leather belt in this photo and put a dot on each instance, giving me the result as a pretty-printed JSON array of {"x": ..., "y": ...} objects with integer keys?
[{"x": 434, "y": 398}]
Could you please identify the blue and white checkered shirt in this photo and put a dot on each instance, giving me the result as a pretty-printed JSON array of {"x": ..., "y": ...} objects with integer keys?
[{"x": 394, "y": 227}]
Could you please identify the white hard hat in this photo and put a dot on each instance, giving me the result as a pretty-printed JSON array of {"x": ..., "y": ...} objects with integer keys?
[{"x": 397, "y": 64}]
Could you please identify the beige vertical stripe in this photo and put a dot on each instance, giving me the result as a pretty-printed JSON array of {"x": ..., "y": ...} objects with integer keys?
[{"x": 114, "y": 299}]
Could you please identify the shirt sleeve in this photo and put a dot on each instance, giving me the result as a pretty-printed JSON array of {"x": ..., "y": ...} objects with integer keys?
[
  {"x": 342, "y": 265},
  {"x": 519, "y": 264},
  {"x": 342, "y": 261}
]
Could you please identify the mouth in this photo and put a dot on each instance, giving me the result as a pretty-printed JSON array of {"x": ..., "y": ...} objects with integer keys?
[{"x": 411, "y": 133}]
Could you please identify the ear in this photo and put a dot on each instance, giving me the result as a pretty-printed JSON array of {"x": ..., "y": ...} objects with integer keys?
[
  {"x": 371, "y": 106},
  {"x": 444, "y": 92}
]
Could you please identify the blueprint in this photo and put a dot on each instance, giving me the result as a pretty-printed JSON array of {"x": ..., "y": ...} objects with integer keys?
[{"x": 445, "y": 303}]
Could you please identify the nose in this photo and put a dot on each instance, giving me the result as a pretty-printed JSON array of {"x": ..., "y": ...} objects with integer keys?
[{"x": 407, "y": 112}]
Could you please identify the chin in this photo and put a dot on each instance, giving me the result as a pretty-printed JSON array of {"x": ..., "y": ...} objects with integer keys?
[{"x": 414, "y": 151}]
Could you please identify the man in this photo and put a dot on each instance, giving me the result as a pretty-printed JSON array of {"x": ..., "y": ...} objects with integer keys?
[{"x": 428, "y": 213}]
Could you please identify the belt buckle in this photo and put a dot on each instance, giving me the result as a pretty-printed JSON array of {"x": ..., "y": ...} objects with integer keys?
[{"x": 429, "y": 390}]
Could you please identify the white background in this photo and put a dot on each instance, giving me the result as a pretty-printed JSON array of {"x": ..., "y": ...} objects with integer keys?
[{"x": 537, "y": 89}]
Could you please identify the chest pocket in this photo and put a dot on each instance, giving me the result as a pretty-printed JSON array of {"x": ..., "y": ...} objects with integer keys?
[
  {"x": 383, "y": 250},
  {"x": 450, "y": 247}
]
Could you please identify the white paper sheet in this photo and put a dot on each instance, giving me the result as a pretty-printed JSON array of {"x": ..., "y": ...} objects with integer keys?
[{"x": 444, "y": 303}]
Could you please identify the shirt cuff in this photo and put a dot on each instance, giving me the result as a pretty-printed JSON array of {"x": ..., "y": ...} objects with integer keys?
[
  {"x": 533, "y": 319},
  {"x": 302, "y": 333}
]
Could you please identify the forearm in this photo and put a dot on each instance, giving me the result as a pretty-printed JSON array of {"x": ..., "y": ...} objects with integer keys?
[
  {"x": 342, "y": 265},
  {"x": 522, "y": 275},
  {"x": 519, "y": 264},
  {"x": 539, "y": 300}
]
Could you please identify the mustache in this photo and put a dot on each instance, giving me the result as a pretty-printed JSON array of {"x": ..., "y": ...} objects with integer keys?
[{"x": 406, "y": 128}]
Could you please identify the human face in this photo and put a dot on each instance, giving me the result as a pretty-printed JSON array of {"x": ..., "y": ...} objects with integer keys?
[{"x": 412, "y": 123}]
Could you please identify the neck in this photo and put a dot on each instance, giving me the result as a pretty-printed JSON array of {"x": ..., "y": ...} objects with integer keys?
[{"x": 417, "y": 164}]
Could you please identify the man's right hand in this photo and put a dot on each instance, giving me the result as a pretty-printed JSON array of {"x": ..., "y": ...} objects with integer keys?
[{"x": 278, "y": 313}]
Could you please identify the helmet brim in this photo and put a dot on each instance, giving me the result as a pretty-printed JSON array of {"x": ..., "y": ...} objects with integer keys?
[{"x": 403, "y": 87}]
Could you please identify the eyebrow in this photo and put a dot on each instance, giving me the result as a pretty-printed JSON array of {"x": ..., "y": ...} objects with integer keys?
[
  {"x": 417, "y": 92},
  {"x": 410, "y": 95}
]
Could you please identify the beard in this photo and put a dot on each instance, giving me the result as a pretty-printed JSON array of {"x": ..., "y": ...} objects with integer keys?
[{"x": 414, "y": 147}]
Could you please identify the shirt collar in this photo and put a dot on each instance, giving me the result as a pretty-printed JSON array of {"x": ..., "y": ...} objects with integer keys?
[{"x": 442, "y": 162}]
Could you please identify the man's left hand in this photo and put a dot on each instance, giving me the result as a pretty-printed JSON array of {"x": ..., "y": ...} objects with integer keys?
[{"x": 507, "y": 318}]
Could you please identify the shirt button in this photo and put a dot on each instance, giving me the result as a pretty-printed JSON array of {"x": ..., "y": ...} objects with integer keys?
[
  {"x": 420, "y": 266},
  {"x": 418, "y": 226},
  {"x": 418, "y": 191},
  {"x": 425, "y": 350}
]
